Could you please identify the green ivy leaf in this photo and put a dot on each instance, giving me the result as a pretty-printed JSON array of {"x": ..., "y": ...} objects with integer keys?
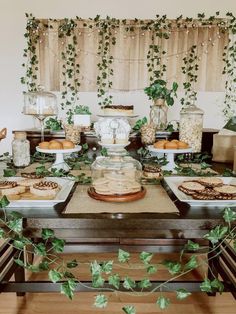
[
  {"x": 97, "y": 281},
  {"x": 123, "y": 256},
  {"x": 55, "y": 275},
  {"x": 218, "y": 285},
  {"x": 182, "y": 294},
  {"x": 107, "y": 267},
  {"x": 129, "y": 309},
  {"x": 100, "y": 301},
  {"x": 58, "y": 245},
  {"x": 145, "y": 257},
  {"x": 43, "y": 266},
  {"x": 216, "y": 234},
  {"x": 19, "y": 262},
  {"x": 18, "y": 244},
  {"x": 205, "y": 286},
  {"x": 129, "y": 283},
  {"x": 163, "y": 302},
  {"x": 95, "y": 268},
  {"x": 9, "y": 172},
  {"x": 172, "y": 266},
  {"x": 151, "y": 269},
  {"x": 2, "y": 233},
  {"x": 40, "y": 249},
  {"x": 15, "y": 225},
  {"x": 72, "y": 264},
  {"x": 4, "y": 202},
  {"x": 192, "y": 263},
  {"x": 68, "y": 288},
  {"x": 47, "y": 234},
  {"x": 144, "y": 283},
  {"x": 114, "y": 280},
  {"x": 191, "y": 246},
  {"x": 229, "y": 215}
]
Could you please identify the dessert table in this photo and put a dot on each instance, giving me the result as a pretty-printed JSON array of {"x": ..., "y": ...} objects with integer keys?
[{"x": 104, "y": 232}]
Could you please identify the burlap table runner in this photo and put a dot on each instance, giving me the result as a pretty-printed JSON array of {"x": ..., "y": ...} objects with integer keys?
[{"x": 156, "y": 200}]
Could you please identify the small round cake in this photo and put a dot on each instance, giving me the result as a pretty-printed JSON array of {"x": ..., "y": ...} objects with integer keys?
[{"x": 45, "y": 188}]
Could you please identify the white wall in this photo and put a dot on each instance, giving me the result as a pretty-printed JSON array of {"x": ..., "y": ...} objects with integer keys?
[{"x": 12, "y": 27}]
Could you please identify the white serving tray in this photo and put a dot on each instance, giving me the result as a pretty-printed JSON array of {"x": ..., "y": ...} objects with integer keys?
[
  {"x": 65, "y": 184},
  {"x": 174, "y": 182}
]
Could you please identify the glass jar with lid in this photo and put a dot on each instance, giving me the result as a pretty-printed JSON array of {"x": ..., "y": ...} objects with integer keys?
[
  {"x": 116, "y": 174},
  {"x": 20, "y": 150},
  {"x": 190, "y": 127}
]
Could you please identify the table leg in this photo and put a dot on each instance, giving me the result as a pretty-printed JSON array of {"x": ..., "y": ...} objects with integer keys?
[
  {"x": 19, "y": 276},
  {"x": 212, "y": 266}
]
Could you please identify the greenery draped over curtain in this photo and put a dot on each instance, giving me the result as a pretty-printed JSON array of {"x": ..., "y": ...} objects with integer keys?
[{"x": 106, "y": 55}]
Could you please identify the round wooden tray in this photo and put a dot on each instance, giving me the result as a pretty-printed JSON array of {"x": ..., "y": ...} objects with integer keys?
[{"x": 117, "y": 198}]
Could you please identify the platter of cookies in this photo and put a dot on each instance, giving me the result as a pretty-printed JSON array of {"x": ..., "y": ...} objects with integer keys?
[
  {"x": 35, "y": 191},
  {"x": 204, "y": 191}
]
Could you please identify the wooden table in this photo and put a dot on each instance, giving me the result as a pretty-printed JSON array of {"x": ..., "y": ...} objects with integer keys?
[{"x": 106, "y": 233}]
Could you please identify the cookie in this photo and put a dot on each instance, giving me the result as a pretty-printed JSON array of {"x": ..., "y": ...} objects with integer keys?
[
  {"x": 45, "y": 188},
  {"x": 7, "y": 184},
  {"x": 210, "y": 181},
  {"x": 198, "y": 196},
  {"x": 192, "y": 186},
  {"x": 226, "y": 189},
  {"x": 188, "y": 192},
  {"x": 31, "y": 175}
]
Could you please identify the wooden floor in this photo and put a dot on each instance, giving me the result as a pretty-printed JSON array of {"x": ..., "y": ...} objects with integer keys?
[{"x": 54, "y": 303}]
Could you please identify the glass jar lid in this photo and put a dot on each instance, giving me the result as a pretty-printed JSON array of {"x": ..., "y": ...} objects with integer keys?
[{"x": 192, "y": 109}]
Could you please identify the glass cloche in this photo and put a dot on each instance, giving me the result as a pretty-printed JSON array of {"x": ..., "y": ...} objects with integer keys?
[
  {"x": 40, "y": 104},
  {"x": 116, "y": 174}
]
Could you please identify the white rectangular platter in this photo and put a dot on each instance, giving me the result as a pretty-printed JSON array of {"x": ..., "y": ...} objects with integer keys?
[
  {"x": 174, "y": 182},
  {"x": 65, "y": 188}
]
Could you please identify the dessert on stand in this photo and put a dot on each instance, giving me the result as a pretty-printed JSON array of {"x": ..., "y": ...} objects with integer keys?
[
  {"x": 116, "y": 177},
  {"x": 59, "y": 148}
]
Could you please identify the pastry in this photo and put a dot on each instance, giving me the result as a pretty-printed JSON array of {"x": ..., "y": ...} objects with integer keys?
[
  {"x": 10, "y": 188},
  {"x": 226, "y": 190},
  {"x": 159, "y": 145},
  {"x": 192, "y": 186},
  {"x": 55, "y": 145},
  {"x": 171, "y": 145},
  {"x": 118, "y": 110},
  {"x": 210, "y": 181},
  {"x": 117, "y": 183},
  {"x": 121, "y": 138},
  {"x": 29, "y": 182},
  {"x": 44, "y": 145},
  {"x": 152, "y": 172},
  {"x": 198, "y": 196},
  {"x": 45, "y": 188},
  {"x": 182, "y": 145},
  {"x": 107, "y": 138},
  {"x": 31, "y": 175},
  {"x": 68, "y": 144}
]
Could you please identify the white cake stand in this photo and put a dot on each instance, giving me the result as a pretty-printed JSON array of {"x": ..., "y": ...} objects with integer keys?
[
  {"x": 113, "y": 146},
  {"x": 170, "y": 154},
  {"x": 59, "y": 162}
]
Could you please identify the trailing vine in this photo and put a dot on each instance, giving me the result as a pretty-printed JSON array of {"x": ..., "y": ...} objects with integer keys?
[
  {"x": 229, "y": 56},
  {"x": 32, "y": 63},
  {"x": 50, "y": 247},
  {"x": 105, "y": 71},
  {"x": 160, "y": 28},
  {"x": 190, "y": 68},
  {"x": 71, "y": 68}
]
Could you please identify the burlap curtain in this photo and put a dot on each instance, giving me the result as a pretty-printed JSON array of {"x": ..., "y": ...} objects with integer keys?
[{"x": 130, "y": 57}]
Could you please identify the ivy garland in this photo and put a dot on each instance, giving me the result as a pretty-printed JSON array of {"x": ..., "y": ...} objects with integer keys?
[
  {"x": 71, "y": 69},
  {"x": 160, "y": 28},
  {"x": 32, "y": 64},
  {"x": 229, "y": 56},
  {"x": 105, "y": 71}
]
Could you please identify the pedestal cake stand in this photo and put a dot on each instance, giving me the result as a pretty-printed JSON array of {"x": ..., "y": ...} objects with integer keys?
[{"x": 59, "y": 162}]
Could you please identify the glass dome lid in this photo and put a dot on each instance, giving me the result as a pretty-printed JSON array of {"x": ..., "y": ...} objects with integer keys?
[{"x": 39, "y": 103}]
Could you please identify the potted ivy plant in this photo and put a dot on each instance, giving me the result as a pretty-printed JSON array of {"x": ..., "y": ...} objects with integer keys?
[
  {"x": 162, "y": 97},
  {"x": 82, "y": 116}
]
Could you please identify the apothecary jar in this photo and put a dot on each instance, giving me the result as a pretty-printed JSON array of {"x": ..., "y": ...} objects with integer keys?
[
  {"x": 190, "y": 127},
  {"x": 116, "y": 174}
]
